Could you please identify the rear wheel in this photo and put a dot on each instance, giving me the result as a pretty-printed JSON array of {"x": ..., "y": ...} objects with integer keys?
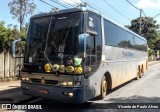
[
  {"x": 103, "y": 87},
  {"x": 142, "y": 70},
  {"x": 138, "y": 73}
]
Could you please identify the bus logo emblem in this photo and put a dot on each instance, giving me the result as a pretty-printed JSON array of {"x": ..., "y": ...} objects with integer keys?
[{"x": 42, "y": 80}]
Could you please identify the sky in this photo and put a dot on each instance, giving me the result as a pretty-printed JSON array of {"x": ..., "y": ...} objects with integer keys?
[{"x": 118, "y": 10}]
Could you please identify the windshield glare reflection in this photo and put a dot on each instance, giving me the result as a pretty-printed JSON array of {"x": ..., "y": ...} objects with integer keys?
[{"x": 61, "y": 38}]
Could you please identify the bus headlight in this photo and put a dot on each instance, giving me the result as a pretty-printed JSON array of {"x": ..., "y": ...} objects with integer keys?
[
  {"x": 47, "y": 67},
  {"x": 66, "y": 83},
  {"x": 25, "y": 79}
]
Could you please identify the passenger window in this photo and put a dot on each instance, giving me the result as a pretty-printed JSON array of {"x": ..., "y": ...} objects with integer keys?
[{"x": 110, "y": 32}]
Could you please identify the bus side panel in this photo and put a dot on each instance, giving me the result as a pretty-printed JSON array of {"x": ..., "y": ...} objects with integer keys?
[
  {"x": 92, "y": 84},
  {"x": 123, "y": 63}
]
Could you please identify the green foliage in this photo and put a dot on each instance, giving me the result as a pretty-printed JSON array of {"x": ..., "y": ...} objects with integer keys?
[
  {"x": 149, "y": 30},
  {"x": 8, "y": 34},
  {"x": 20, "y": 9},
  {"x": 151, "y": 52},
  {"x": 148, "y": 27},
  {"x": 157, "y": 42}
]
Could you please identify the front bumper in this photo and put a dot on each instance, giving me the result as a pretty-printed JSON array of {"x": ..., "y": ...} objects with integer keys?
[{"x": 53, "y": 92}]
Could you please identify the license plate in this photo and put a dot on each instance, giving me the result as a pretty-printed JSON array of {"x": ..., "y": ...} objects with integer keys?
[{"x": 43, "y": 91}]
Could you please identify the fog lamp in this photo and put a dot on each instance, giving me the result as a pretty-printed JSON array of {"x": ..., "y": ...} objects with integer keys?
[{"x": 68, "y": 94}]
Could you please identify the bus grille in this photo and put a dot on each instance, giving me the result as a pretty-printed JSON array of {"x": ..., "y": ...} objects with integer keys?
[{"x": 51, "y": 82}]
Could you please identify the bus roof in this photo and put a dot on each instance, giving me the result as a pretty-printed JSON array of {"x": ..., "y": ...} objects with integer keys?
[
  {"x": 123, "y": 27},
  {"x": 84, "y": 9},
  {"x": 117, "y": 24},
  {"x": 58, "y": 12}
]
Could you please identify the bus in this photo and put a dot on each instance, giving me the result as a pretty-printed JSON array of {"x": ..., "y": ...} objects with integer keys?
[{"x": 75, "y": 55}]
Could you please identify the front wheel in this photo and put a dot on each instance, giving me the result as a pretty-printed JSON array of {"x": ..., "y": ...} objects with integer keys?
[{"x": 103, "y": 87}]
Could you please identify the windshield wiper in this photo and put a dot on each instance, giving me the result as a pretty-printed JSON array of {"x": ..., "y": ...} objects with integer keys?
[{"x": 68, "y": 31}]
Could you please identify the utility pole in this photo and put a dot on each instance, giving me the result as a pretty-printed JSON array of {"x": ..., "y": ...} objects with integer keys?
[{"x": 140, "y": 22}]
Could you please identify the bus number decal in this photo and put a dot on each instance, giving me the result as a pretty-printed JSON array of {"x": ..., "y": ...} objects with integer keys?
[{"x": 91, "y": 24}]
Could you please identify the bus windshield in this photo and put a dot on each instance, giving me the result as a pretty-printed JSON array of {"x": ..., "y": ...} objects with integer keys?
[{"x": 53, "y": 35}]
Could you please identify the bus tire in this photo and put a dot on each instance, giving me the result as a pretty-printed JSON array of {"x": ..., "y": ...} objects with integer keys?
[
  {"x": 138, "y": 73},
  {"x": 103, "y": 87},
  {"x": 142, "y": 70}
]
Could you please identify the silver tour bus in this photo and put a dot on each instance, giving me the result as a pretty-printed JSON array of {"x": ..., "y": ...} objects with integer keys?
[{"x": 75, "y": 55}]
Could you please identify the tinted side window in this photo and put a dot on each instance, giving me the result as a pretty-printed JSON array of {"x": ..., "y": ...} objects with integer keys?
[
  {"x": 140, "y": 44},
  {"x": 116, "y": 36},
  {"x": 110, "y": 31},
  {"x": 125, "y": 39}
]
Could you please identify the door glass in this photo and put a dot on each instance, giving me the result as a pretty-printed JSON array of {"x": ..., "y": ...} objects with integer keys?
[{"x": 90, "y": 61}]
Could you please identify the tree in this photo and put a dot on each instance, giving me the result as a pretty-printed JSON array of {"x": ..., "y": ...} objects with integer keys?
[
  {"x": 21, "y": 9},
  {"x": 157, "y": 42},
  {"x": 6, "y": 37},
  {"x": 149, "y": 29}
]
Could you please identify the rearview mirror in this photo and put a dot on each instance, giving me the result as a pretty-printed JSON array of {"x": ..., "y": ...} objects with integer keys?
[
  {"x": 82, "y": 43},
  {"x": 14, "y": 47}
]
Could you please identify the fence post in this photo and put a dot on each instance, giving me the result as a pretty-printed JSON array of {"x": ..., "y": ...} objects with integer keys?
[
  {"x": 1, "y": 65},
  {"x": 12, "y": 64},
  {"x": 6, "y": 65}
]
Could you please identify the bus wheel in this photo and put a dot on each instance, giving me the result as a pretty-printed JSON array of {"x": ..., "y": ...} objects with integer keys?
[
  {"x": 103, "y": 87},
  {"x": 138, "y": 73},
  {"x": 142, "y": 71}
]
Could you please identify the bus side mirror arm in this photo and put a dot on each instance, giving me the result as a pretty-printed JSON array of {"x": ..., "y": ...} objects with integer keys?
[
  {"x": 14, "y": 46},
  {"x": 92, "y": 32}
]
